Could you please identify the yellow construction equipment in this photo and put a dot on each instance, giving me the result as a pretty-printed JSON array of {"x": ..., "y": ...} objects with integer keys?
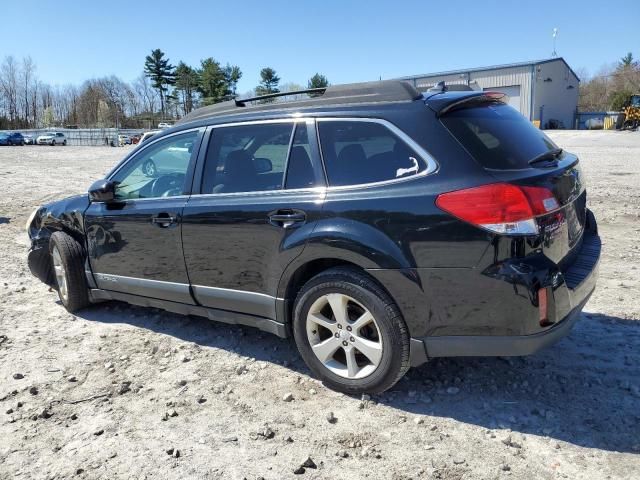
[{"x": 630, "y": 116}]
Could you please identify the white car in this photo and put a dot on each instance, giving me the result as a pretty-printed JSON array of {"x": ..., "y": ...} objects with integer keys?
[
  {"x": 52, "y": 138},
  {"x": 164, "y": 125},
  {"x": 124, "y": 139}
]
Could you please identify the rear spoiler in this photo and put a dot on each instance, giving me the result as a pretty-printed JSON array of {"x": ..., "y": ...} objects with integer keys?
[{"x": 445, "y": 102}]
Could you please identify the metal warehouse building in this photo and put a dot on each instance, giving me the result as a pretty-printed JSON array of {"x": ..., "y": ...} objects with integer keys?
[{"x": 542, "y": 90}]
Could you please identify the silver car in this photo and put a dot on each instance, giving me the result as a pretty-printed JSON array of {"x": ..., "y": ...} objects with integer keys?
[{"x": 52, "y": 138}]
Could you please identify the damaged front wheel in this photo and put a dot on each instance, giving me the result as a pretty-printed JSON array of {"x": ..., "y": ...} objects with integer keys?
[{"x": 67, "y": 262}]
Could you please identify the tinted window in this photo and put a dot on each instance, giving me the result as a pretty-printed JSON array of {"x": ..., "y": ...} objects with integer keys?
[
  {"x": 157, "y": 171},
  {"x": 497, "y": 136},
  {"x": 300, "y": 172},
  {"x": 365, "y": 152},
  {"x": 247, "y": 158}
]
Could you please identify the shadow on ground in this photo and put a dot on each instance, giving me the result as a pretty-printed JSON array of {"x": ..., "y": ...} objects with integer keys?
[{"x": 583, "y": 390}]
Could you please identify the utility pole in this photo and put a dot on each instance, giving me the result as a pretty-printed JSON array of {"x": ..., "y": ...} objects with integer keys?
[{"x": 554, "y": 35}]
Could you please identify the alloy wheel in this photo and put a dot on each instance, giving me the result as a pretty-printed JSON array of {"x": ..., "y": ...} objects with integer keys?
[
  {"x": 344, "y": 336},
  {"x": 61, "y": 274}
]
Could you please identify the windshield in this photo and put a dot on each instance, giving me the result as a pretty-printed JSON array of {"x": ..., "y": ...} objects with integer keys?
[{"x": 497, "y": 136}]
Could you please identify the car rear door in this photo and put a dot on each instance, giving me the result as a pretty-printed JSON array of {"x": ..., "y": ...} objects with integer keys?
[
  {"x": 261, "y": 193},
  {"x": 134, "y": 245}
]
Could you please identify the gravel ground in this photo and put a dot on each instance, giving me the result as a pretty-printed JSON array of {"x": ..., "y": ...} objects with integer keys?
[{"x": 127, "y": 392}]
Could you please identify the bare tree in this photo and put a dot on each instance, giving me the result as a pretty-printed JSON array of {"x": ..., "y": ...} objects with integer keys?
[
  {"x": 27, "y": 76},
  {"x": 9, "y": 88},
  {"x": 146, "y": 93}
]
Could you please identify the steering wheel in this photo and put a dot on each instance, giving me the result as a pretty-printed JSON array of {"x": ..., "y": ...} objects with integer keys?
[{"x": 168, "y": 185}]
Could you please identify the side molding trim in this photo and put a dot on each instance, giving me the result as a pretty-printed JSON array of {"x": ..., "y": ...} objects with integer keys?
[
  {"x": 264, "y": 324},
  {"x": 174, "y": 292},
  {"x": 251, "y": 303}
]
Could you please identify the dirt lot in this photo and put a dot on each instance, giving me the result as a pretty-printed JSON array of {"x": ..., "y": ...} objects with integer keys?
[{"x": 126, "y": 392}]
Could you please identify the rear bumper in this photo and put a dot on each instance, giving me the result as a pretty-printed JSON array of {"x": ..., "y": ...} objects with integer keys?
[
  {"x": 572, "y": 291},
  {"x": 508, "y": 346}
]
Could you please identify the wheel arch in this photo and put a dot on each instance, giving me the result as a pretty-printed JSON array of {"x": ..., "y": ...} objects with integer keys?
[{"x": 297, "y": 275}]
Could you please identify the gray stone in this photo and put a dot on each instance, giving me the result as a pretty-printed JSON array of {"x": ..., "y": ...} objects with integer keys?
[{"x": 331, "y": 418}]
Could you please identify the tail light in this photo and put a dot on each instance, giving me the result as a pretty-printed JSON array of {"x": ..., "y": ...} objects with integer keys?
[{"x": 500, "y": 207}]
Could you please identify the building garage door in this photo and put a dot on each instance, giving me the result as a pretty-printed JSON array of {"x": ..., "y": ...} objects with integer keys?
[{"x": 513, "y": 92}]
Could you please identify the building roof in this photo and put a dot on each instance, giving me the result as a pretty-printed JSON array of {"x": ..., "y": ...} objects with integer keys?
[
  {"x": 382, "y": 91},
  {"x": 492, "y": 67}
]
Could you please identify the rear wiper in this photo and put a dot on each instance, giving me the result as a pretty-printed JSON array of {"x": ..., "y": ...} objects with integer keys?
[{"x": 549, "y": 155}]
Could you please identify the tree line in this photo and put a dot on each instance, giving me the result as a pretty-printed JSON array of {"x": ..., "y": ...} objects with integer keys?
[
  {"x": 161, "y": 92},
  {"x": 611, "y": 87}
]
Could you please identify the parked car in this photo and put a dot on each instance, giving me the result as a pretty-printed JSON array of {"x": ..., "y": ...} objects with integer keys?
[
  {"x": 135, "y": 139},
  {"x": 378, "y": 226},
  {"x": 52, "y": 138},
  {"x": 29, "y": 139},
  {"x": 124, "y": 139},
  {"x": 5, "y": 139},
  {"x": 16, "y": 138},
  {"x": 163, "y": 125}
]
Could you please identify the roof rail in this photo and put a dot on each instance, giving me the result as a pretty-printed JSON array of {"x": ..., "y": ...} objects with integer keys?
[
  {"x": 243, "y": 102},
  {"x": 379, "y": 91}
]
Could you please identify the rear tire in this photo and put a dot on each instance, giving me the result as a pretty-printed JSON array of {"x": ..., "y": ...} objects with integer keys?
[
  {"x": 67, "y": 259},
  {"x": 64, "y": 143},
  {"x": 365, "y": 349}
]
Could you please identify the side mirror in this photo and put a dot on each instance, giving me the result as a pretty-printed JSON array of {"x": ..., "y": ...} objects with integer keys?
[
  {"x": 102, "y": 191},
  {"x": 262, "y": 165}
]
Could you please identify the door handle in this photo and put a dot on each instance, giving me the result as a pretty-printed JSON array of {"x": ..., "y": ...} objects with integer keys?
[
  {"x": 163, "y": 220},
  {"x": 287, "y": 218}
]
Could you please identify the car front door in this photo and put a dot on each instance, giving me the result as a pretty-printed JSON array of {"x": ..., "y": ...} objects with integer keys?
[
  {"x": 134, "y": 244},
  {"x": 261, "y": 193}
]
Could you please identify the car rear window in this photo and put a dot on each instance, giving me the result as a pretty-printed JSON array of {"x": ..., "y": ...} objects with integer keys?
[{"x": 497, "y": 135}]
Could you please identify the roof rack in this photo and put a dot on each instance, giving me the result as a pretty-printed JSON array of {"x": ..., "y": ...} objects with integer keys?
[
  {"x": 382, "y": 91},
  {"x": 243, "y": 102}
]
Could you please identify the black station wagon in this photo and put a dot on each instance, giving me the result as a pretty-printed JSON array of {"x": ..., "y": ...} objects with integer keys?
[{"x": 377, "y": 225}]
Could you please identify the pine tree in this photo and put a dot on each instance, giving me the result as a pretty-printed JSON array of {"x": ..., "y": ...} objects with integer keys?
[
  {"x": 268, "y": 84},
  {"x": 232, "y": 74},
  {"x": 317, "y": 81},
  {"x": 213, "y": 84},
  {"x": 187, "y": 81},
  {"x": 161, "y": 73}
]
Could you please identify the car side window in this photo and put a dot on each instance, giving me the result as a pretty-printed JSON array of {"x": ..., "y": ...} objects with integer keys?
[
  {"x": 359, "y": 152},
  {"x": 247, "y": 158},
  {"x": 300, "y": 173},
  {"x": 158, "y": 170}
]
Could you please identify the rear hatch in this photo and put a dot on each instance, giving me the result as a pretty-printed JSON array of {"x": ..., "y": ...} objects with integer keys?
[{"x": 517, "y": 154}]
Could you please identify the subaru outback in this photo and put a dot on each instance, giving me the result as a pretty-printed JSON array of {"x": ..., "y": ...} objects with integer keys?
[{"x": 377, "y": 225}]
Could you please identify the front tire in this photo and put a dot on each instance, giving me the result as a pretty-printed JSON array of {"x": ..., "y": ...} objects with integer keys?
[
  {"x": 350, "y": 332},
  {"x": 67, "y": 260}
]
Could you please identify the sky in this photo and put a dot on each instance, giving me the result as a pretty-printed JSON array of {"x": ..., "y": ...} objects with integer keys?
[{"x": 348, "y": 41}]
